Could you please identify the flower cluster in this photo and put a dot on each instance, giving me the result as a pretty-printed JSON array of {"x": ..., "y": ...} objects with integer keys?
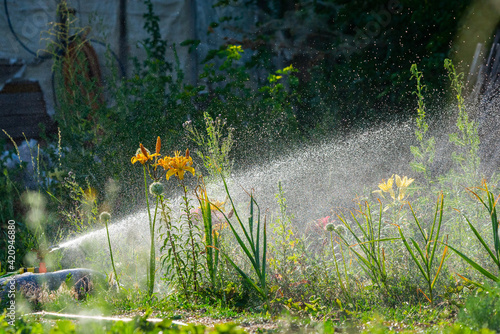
[
  {"x": 176, "y": 165},
  {"x": 401, "y": 185}
]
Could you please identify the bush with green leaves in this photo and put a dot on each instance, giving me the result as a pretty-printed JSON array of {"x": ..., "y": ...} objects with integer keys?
[{"x": 482, "y": 310}]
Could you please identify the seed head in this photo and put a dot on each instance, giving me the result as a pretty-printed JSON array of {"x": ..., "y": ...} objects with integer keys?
[
  {"x": 340, "y": 229},
  {"x": 330, "y": 227},
  {"x": 156, "y": 188},
  {"x": 105, "y": 216}
]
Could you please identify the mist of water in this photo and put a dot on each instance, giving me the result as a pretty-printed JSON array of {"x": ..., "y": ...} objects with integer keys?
[{"x": 316, "y": 180}]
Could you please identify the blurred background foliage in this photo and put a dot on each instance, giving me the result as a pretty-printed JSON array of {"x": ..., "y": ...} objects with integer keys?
[{"x": 354, "y": 57}]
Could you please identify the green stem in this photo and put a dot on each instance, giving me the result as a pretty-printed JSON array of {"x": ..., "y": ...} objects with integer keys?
[
  {"x": 191, "y": 237},
  {"x": 345, "y": 268},
  {"x": 337, "y": 269},
  {"x": 151, "y": 261},
  {"x": 152, "y": 258},
  {"x": 174, "y": 252},
  {"x": 111, "y": 252},
  {"x": 147, "y": 196}
]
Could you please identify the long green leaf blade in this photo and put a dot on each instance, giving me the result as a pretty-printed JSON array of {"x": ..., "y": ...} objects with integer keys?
[{"x": 475, "y": 265}]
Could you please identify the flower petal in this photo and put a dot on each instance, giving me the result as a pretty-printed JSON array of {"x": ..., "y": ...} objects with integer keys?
[
  {"x": 170, "y": 172},
  {"x": 399, "y": 183}
]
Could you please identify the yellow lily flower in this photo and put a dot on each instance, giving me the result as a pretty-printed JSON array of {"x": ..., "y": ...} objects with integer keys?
[
  {"x": 387, "y": 186},
  {"x": 177, "y": 165},
  {"x": 142, "y": 155},
  {"x": 215, "y": 205},
  {"x": 402, "y": 194},
  {"x": 404, "y": 182},
  {"x": 379, "y": 192}
]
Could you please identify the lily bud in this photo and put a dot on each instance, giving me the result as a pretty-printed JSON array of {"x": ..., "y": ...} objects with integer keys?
[
  {"x": 143, "y": 150},
  {"x": 158, "y": 145}
]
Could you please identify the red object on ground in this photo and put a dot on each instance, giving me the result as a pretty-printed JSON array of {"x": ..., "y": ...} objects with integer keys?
[{"x": 42, "y": 268}]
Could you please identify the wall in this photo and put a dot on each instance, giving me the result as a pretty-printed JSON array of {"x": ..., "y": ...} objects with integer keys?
[{"x": 30, "y": 19}]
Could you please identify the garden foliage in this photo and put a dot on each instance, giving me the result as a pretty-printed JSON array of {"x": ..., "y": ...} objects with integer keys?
[{"x": 391, "y": 249}]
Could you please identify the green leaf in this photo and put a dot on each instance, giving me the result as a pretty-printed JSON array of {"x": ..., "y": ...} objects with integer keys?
[{"x": 475, "y": 265}]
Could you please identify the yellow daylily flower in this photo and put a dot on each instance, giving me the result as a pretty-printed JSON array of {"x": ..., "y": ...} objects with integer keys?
[
  {"x": 403, "y": 185},
  {"x": 215, "y": 205},
  {"x": 177, "y": 165},
  {"x": 404, "y": 182},
  {"x": 387, "y": 186},
  {"x": 402, "y": 194},
  {"x": 142, "y": 155}
]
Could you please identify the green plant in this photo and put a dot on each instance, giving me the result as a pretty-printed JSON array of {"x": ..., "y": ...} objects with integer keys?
[
  {"x": 283, "y": 249},
  {"x": 80, "y": 108},
  {"x": 345, "y": 288},
  {"x": 172, "y": 247},
  {"x": 77, "y": 206},
  {"x": 423, "y": 156},
  {"x": 214, "y": 146},
  {"x": 426, "y": 252},
  {"x": 212, "y": 237},
  {"x": 267, "y": 111},
  {"x": 467, "y": 139},
  {"x": 253, "y": 250},
  {"x": 494, "y": 253},
  {"x": 194, "y": 246},
  {"x": 143, "y": 156},
  {"x": 482, "y": 310},
  {"x": 105, "y": 217},
  {"x": 371, "y": 254},
  {"x": 186, "y": 267}
]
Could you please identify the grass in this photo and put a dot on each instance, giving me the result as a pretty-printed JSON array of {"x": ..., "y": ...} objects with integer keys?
[{"x": 405, "y": 318}]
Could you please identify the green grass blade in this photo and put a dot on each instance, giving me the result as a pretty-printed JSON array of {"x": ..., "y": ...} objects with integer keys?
[
  {"x": 418, "y": 223},
  {"x": 379, "y": 233},
  {"x": 245, "y": 276},
  {"x": 440, "y": 266},
  {"x": 240, "y": 241},
  {"x": 475, "y": 265},
  {"x": 207, "y": 223},
  {"x": 431, "y": 234},
  {"x": 419, "y": 250},
  {"x": 494, "y": 225},
  {"x": 234, "y": 211},
  {"x": 360, "y": 226},
  {"x": 250, "y": 225},
  {"x": 264, "y": 251},
  {"x": 257, "y": 236},
  {"x": 481, "y": 240},
  {"x": 439, "y": 206},
  {"x": 407, "y": 245}
]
